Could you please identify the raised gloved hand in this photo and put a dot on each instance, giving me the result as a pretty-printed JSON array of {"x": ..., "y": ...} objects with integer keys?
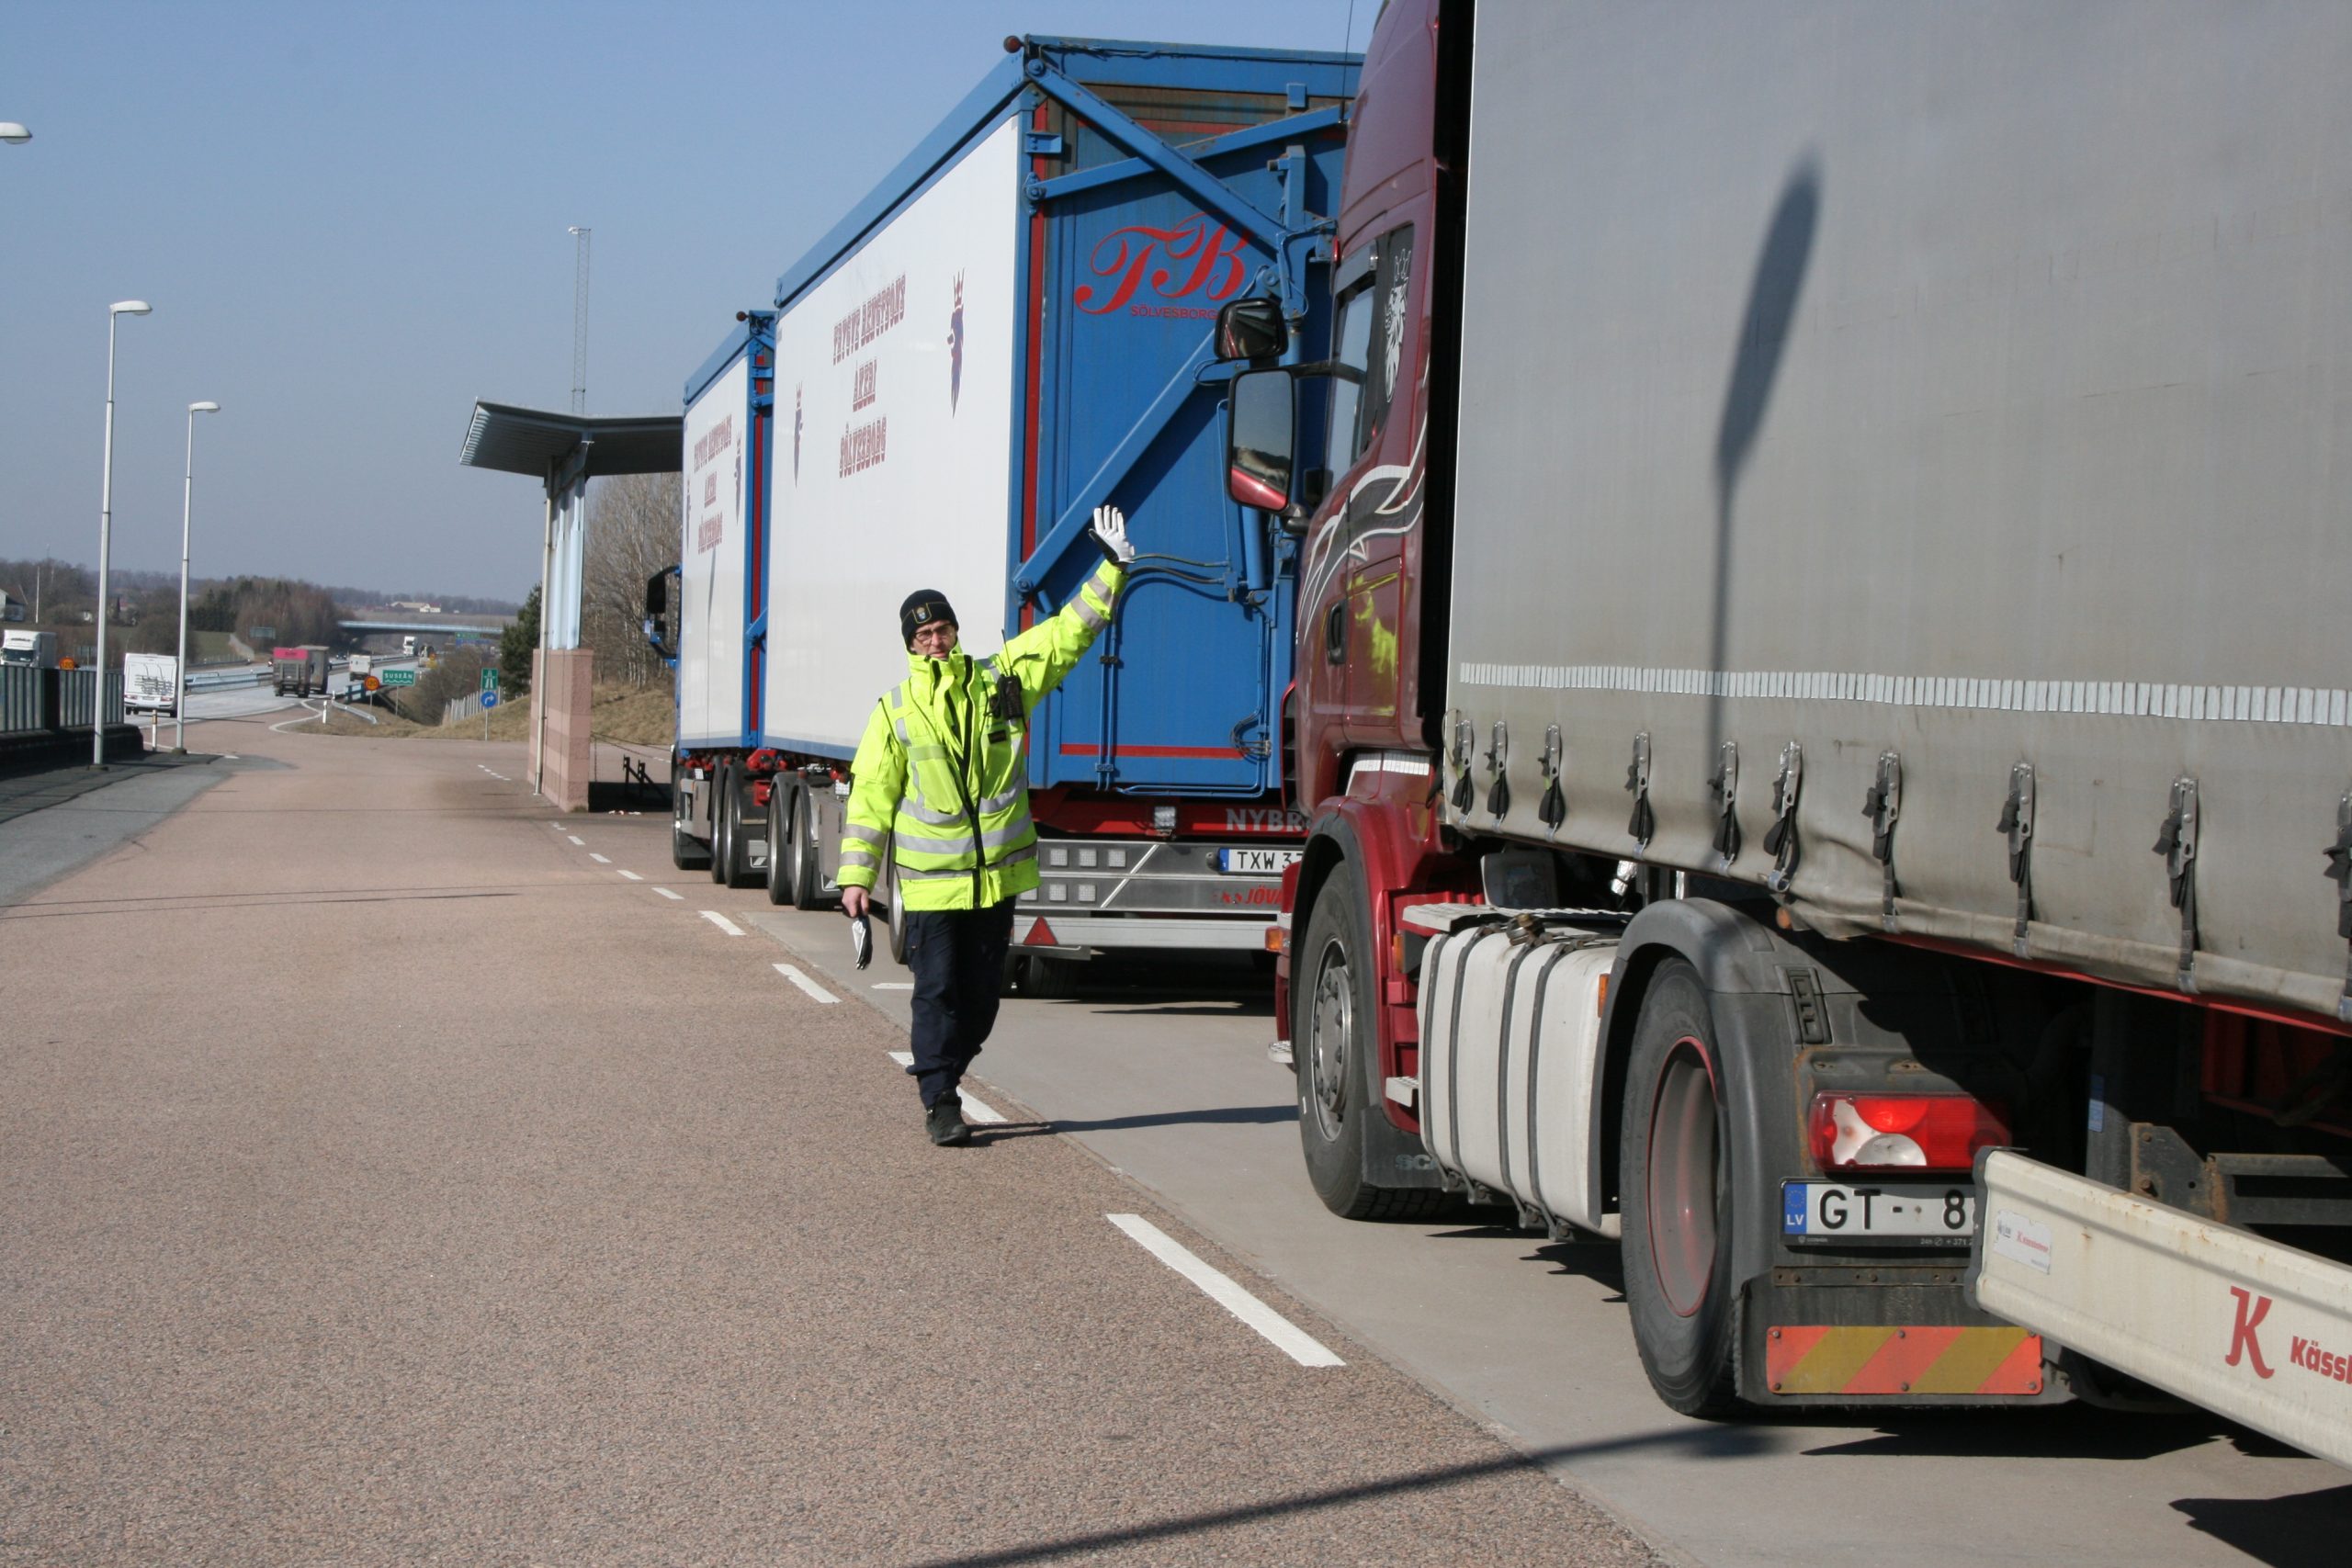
[{"x": 1111, "y": 534}]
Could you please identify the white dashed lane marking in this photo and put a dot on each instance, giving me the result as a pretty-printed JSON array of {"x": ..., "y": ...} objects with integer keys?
[
  {"x": 1286, "y": 1335},
  {"x": 667, "y": 894},
  {"x": 577, "y": 840},
  {"x": 978, "y": 1110},
  {"x": 632, "y": 876},
  {"x": 600, "y": 859},
  {"x": 894, "y": 985},
  {"x": 722, "y": 922},
  {"x": 806, "y": 983}
]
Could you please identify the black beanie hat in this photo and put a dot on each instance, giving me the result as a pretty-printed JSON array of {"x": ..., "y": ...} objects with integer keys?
[{"x": 923, "y": 606}]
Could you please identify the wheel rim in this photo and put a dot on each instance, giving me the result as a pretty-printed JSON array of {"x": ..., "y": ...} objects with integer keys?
[
  {"x": 1685, "y": 1177},
  {"x": 1331, "y": 1024}
]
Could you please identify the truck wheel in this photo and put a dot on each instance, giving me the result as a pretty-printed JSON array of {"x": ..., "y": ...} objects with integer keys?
[
  {"x": 807, "y": 881},
  {"x": 1335, "y": 1033},
  {"x": 784, "y": 798},
  {"x": 686, "y": 852},
  {"x": 898, "y": 925},
  {"x": 1677, "y": 1144},
  {"x": 722, "y": 826}
]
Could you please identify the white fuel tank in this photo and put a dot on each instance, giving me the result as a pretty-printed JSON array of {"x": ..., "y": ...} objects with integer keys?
[{"x": 1510, "y": 1043}]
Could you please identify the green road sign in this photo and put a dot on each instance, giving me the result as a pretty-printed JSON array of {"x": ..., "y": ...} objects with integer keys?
[
  {"x": 261, "y": 634},
  {"x": 489, "y": 681},
  {"x": 400, "y": 677}
]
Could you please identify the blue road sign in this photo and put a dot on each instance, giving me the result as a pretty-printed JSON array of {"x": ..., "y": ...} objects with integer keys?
[{"x": 490, "y": 699}]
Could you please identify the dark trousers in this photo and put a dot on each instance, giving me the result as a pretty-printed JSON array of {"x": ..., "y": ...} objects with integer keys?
[{"x": 957, "y": 956}]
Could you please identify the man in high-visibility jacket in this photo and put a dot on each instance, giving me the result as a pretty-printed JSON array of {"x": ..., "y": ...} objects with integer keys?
[{"x": 940, "y": 784}]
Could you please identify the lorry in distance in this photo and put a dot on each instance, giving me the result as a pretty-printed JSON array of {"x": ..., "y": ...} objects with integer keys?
[
  {"x": 1821, "y": 702},
  {"x": 28, "y": 647},
  {"x": 299, "y": 671},
  {"x": 1011, "y": 331},
  {"x": 150, "y": 683}
]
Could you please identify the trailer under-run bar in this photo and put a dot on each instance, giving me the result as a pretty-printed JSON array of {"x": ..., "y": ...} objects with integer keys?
[{"x": 2232, "y": 1322}]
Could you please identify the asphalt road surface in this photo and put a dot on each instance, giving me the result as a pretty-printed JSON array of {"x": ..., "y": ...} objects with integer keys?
[
  {"x": 488, "y": 1195},
  {"x": 390, "y": 1177}
]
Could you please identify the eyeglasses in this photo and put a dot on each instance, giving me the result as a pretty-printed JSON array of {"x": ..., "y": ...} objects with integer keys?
[{"x": 940, "y": 634}]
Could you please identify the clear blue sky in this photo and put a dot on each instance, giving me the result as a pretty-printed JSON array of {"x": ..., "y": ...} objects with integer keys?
[{"x": 351, "y": 222}]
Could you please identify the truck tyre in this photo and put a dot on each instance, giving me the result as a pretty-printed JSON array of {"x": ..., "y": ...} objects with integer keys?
[
  {"x": 686, "y": 852},
  {"x": 735, "y": 801},
  {"x": 1334, "y": 1031},
  {"x": 783, "y": 805},
  {"x": 1677, "y": 1154},
  {"x": 898, "y": 924},
  {"x": 722, "y": 826},
  {"x": 807, "y": 881}
]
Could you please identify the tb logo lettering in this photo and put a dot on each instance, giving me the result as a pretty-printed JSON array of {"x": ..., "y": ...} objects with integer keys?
[
  {"x": 1205, "y": 256},
  {"x": 2252, "y": 1310}
]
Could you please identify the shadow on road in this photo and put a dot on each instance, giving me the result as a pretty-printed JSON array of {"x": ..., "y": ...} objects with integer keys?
[
  {"x": 2305, "y": 1530},
  {"x": 1709, "y": 1442},
  {"x": 1217, "y": 1116}
]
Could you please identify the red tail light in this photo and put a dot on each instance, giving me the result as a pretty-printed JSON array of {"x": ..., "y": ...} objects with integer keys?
[{"x": 1903, "y": 1131}]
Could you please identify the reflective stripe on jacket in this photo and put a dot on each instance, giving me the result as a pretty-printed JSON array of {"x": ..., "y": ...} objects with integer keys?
[{"x": 941, "y": 786}]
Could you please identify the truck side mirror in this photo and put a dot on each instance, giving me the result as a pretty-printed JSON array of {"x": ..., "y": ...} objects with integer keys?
[
  {"x": 1261, "y": 439},
  {"x": 1250, "y": 330},
  {"x": 657, "y": 612}
]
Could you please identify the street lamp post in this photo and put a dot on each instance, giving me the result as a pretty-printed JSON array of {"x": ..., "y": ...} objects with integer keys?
[
  {"x": 115, "y": 312},
  {"x": 188, "y": 510}
]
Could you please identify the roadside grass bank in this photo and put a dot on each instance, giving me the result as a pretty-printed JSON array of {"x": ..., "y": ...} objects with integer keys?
[{"x": 618, "y": 715}]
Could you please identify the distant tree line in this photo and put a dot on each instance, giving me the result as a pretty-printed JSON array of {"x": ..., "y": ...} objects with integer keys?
[{"x": 633, "y": 532}]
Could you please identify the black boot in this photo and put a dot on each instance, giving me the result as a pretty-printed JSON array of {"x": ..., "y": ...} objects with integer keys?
[{"x": 945, "y": 1121}]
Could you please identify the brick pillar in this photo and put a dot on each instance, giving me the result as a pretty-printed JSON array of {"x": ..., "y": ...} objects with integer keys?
[{"x": 563, "y": 687}]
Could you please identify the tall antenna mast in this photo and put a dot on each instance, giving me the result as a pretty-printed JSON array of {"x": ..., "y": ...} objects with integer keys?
[{"x": 579, "y": 321}]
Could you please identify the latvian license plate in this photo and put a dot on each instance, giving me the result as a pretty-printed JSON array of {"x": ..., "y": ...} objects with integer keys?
[
  {"x": 1823, "y": 1210},
  {"x": 1256, "y": 862}
]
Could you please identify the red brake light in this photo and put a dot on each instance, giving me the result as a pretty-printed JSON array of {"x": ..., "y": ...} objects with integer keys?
[{"x": 1903, "y": 1131}]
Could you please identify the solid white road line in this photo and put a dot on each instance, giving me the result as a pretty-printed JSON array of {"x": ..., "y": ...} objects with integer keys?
[
  {"x": 722, "y": 922},
  {"x": 979, "y": 1110},
  {"x": 600, "y": 859},
  {"x": 806, "y": 983},
  {"x": 577, "y": 840},
  {"x": 894, "y": 985},
  {"x": 632, "y": 876},
  {"x": 1280, "y": 1331},
  {"x": 667, "y": 894}
]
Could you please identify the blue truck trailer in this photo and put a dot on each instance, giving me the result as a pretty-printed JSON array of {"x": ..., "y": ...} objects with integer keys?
[{"x": 1013, "y": 328}]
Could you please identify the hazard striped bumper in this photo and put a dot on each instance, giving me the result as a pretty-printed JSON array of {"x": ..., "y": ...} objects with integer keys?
[{"x": 1911, "y": 1360}]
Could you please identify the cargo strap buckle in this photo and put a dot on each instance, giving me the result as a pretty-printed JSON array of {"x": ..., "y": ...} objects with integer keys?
[
  {"x": 1882, "y": 804},
  {"x": 1781, "y": 839},
  {"x": 1643, "y": 825},
  {"x": 2339, "y": 869},
  {"x": 1460, "y": 758},
  {"x": 1552, "y": 809},
  {"x": 2177, "y": 841},
  {"x": 2017, "y": 822},
  {"x": 1724, "y": 788},
  {"x": 1497, "y": 757}
]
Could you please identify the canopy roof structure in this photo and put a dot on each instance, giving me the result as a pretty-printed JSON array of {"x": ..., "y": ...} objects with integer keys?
[{"x": 545, "y": 445}]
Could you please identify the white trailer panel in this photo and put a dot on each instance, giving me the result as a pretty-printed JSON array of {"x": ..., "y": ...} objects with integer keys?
[
  {"x": 710, "y": 562},
  {"x": 892, "y": 467}
]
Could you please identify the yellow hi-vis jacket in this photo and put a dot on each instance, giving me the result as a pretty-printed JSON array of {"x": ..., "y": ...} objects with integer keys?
[{"x": 944, "y": 784}]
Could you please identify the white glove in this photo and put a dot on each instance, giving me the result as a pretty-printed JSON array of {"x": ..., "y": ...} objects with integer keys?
[{"x": 1111, "y": 534}]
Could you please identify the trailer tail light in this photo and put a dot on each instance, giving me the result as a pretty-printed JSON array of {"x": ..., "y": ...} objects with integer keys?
[{"x": 1903, "y": 1131}]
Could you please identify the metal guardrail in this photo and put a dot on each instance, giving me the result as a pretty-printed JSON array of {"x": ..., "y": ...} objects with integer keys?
[
  {"x": 34, "y": 699},
  {"x": 22, "y": 698},
  {"x": 77, "y": 698}
]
